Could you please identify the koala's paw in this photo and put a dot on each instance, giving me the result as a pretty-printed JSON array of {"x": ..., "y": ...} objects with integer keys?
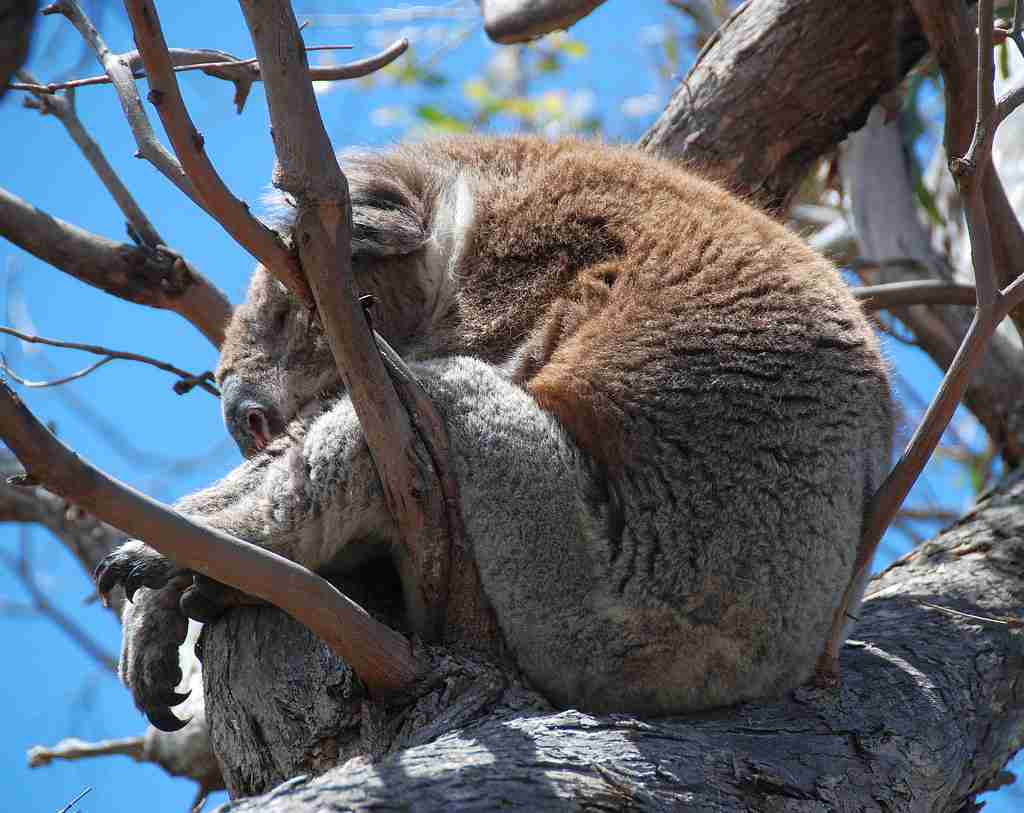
[
  {"x": 135, "y": 565},
  {"x": 153, "y": 629}
]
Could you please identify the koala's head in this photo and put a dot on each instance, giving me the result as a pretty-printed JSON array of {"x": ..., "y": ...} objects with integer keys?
[{"x": 409, "y": 216}]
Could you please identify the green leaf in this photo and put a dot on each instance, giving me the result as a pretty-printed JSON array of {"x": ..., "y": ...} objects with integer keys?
[{"x": 440, "y": 120}]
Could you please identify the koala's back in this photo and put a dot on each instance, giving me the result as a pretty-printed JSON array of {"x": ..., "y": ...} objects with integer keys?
[{"x": 721, "y": 382}]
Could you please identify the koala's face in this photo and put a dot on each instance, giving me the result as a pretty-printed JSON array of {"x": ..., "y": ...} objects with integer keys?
[{"x": 275, "y": 361}]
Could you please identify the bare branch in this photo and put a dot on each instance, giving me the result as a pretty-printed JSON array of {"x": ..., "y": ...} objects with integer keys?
[
  {"x": 120, "y": 75},
  {"x": 913, "y": 292},
  {"x": 406, "y": 446},
  {"x": 511, "y": 21},
  {"x": 233, "y": 214},
  {"x": 381, "y": 657},
  {"x": 158, "y": 278},
  {"x": 948, "y": 36},
  {"x": 63, "y": 109},
  {"x": 221, "y": 65},
  {"x": 73, "y": 749},
  {"x": 188, "y": 380},
  {"x": 54, "y": 382}
]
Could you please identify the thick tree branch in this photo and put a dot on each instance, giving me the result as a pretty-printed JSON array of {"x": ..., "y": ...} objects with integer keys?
[
  {"x": 157, "y": 278},
  {"x": 777, "y": 75},
  {"x": 381, "y": 657},
  {"x": 928, "y": 713}
]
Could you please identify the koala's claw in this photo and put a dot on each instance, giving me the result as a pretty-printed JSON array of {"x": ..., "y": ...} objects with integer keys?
[
  {"x": 134, "y": 565},
  {"x": 163, "y": 718}
]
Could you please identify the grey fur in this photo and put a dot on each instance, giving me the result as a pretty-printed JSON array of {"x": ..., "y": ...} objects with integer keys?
[{"x": 666, "y": 416}]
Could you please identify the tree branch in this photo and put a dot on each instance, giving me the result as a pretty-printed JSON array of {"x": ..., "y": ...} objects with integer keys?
[
  {"x": 511, "y": 21},
  {"x": 157, "y": 278},
  {"x": 221, "y": 65},
  {"x": 396, "y": 435},
  {"x": 63, "y": 109},
  {"x": 928, "y": 713},
  {"x": 789, "y": 52},
  {"x": 381, "y": 657},
  {"x": 187, "y": 382},
  {"x": 233, "y": 214}
]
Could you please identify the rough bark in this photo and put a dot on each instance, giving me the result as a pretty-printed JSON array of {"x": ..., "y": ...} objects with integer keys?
[
  {"x": 793, "y": 77},
  {"x": 928, "y": 713}
]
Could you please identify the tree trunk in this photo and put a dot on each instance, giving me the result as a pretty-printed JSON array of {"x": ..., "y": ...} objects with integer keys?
[{"x": 927, "y": 713}]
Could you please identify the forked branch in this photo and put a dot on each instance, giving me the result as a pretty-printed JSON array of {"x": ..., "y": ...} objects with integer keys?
[
  {"x": 418, "y": 486},
  {"x": 949, "y": 32}
]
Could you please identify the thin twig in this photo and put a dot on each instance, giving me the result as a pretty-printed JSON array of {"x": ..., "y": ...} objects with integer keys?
[
  {"x": 55, "y": 382},
  {"x": 1014, "y": 623},
  {"x": 120, "y": 75},
  {"x": 190, "y": 380},
  {"x": 75, "y": 801},
  {"x": 233, "y": 214},
  {"x": 62, "y": 107}
]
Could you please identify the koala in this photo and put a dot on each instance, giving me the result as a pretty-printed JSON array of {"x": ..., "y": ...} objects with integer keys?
[{"x": 666, "y": 415}]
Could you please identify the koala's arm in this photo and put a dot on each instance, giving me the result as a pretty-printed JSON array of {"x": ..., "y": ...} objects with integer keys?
[{"x": 315, "y": 497}]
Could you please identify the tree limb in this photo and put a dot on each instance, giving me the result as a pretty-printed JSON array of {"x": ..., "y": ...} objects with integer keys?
[
  {"x": 233, "y": 214},
  {"x": 789, "y": 51},
  {"x": 157, "y": 278},
  {"x": 928, "y": 713},
  {"x": 308, "y": 171},
  {"x": 511, "y": 21},
  {"x": 381, "y": 657}
]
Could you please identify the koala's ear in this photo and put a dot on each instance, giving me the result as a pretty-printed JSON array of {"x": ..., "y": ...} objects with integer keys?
[
  {"x": 451, "y": 225},
  {"x": 389, "y": 214}
]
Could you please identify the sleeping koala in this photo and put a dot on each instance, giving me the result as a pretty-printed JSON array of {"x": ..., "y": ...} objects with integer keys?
[{"x": 666, "y": 415}]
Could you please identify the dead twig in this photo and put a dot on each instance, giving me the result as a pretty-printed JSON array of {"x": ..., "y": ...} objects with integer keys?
[
  {"x": 221, "y": 65},
  {"x": 188, "y": 380}
]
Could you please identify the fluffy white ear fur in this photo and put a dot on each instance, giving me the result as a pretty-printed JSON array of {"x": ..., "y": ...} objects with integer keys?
[{"x": 450, "y": 228}]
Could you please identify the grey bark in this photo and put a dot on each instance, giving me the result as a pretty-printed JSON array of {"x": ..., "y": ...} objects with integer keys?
[
  {"x": 779, "y": 74},
  {"x": 928, "y": 712}
]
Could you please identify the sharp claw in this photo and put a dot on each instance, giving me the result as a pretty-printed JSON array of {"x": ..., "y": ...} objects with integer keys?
[
  {"x": 106, "y": 576},
  {"x": 163, "y": 719}
]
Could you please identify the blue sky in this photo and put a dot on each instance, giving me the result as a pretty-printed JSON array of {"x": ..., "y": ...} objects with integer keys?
[{"x": 54, "y": 690}]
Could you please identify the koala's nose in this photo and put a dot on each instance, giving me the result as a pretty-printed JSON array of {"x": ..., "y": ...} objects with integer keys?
[{"x": 253, "y": 424}]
